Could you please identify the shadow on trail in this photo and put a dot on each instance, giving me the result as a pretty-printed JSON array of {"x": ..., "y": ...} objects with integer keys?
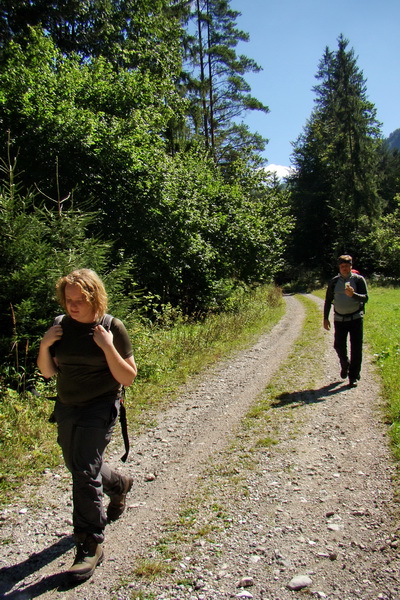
[
  {"x": 10, "y": 576},
  {"x": 303, "y": 397}
]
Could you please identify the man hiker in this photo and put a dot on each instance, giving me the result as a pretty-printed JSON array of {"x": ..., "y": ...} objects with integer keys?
[{"x": 348, "y": 293}]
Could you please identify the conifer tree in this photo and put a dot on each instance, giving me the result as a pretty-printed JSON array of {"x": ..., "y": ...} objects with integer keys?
[
  {"x": 215, "y": 81},
  {"x": 337, "y": 162}
]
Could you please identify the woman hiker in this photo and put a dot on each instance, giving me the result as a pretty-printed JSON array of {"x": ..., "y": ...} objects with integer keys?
[{"x": 92, "y": 365}]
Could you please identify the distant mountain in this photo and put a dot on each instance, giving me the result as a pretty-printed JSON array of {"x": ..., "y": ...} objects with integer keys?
[
  {"x": 280, "y": 171},
  {"x": 393, "y": 141}
]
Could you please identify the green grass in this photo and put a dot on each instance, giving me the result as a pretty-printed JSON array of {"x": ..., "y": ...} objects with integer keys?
[
  {"x": 382, "y": 333},
  {"x": 27, "y": 439},
  {"x": 166, "y": 354},
  {"x": 149, "y": 569}
]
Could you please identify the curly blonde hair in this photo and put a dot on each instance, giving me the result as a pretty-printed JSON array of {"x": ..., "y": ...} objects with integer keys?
[{"x": 92, "y": 288}]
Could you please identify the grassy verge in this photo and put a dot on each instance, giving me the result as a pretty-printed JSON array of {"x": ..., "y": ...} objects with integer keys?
[
  {"x": 382, "y": 334},
  {"x": 166, "y": 354}
]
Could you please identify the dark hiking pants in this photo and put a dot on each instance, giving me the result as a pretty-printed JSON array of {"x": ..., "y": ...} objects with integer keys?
[
  {"x": 83, "y": 434},
  {"x": 354, "y": 329}
]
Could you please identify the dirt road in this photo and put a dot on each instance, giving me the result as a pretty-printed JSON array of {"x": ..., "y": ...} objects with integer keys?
[{"x": 318, "y": 504}]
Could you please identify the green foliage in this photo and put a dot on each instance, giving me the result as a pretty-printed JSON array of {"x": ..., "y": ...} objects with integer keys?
[
  {"x": 102, "y": 123},
  {"x": 90, "y": 117},
  {"x": 389, "y": 186},
  {"x": 128, "y": 33},
  {"x": 215, "y": 84},
  {"x": 195, "y": 231},
  {"x": 387, "y": 241},
  {"x": 37, "y": 246}
]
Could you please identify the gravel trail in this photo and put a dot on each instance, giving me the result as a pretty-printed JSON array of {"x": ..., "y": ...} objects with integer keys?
[{"x": 320, "y": 505}]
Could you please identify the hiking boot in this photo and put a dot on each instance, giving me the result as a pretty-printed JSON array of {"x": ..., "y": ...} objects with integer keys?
[
  {"x": 89, "y": 554},
  {"x": 344, "y": 371},
  {"x": 118, "y": 501}
]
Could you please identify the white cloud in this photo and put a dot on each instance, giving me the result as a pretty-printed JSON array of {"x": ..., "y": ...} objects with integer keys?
[{"x": 280, "y": 170}]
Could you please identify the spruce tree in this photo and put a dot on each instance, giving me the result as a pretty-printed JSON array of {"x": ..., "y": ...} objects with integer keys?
[{"x": 337, "y": 162}]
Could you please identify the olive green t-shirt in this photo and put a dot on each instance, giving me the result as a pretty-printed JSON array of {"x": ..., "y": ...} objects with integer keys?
[{"x": 83, "y": 374}]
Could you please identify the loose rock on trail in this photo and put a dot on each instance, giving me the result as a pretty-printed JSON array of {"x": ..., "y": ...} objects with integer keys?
[{"x": 317, "y": 516}]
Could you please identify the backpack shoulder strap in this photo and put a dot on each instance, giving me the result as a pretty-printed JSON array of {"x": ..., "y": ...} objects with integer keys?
[{"x": 106, "y": 321}]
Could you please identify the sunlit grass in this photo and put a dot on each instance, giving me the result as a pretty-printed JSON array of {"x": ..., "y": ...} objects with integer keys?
[
  {"x": 382, "y": 333},
  {"x": 27, "y": 439},
  {"x": 149, "y": 569}
]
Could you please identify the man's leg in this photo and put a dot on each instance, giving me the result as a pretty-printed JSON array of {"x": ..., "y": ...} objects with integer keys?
[
  {"x": 340, "y": 345},
  {"x": 356, "y": 342}
]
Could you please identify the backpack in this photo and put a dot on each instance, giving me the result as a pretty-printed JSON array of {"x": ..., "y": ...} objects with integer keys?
[{"x": 106, "y": 323}]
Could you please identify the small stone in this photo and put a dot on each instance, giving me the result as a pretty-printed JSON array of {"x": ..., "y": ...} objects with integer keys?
[
  {"x": 254, "y": 558},
  {"x": 299, "y": 582},
  {"x": 245, "y": 582}
]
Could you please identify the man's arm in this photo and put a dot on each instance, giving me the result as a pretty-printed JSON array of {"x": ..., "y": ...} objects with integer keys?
[{"x": 328, "y": 303}]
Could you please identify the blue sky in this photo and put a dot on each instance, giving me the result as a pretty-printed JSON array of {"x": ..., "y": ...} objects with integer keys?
[{"x": 288, "y": 39}]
